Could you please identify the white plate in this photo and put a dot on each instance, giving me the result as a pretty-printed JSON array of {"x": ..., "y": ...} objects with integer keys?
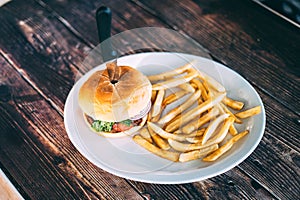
[{"x": 124, "y": 158}]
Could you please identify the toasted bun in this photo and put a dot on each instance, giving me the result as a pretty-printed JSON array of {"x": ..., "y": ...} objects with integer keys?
[
  {"x": 115, "y": 94},
  {"x": 119, "y": 134}
]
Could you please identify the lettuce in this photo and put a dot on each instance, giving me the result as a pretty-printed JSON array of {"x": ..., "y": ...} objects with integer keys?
[{"x": 98, "y": 126}]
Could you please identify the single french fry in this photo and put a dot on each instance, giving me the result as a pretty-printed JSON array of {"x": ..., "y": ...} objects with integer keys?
[
  {"x": 213, "y": 126},
  {"x": 170, "y": 83},
  {"x": 173, "y": 113},
  {"x": 145, "y": 134},
  {"x": 206, "y": 87},
  {"x": 156, "y": 108},
  {"x": 227, "y": 146},
  {"x": 174, "y": 96},
  {"x": 237, "y": 105},
  {"x": 196, "y": 139},
  {"x": 195, "y": 124},
  {"x": 153, "y": 95},
  {"x": 195, "y": 112},
  {"x": 196, "y": 154},
  {"x": 187, "y": 87},
  {"x": 160, "y": 142},
  {"x": 170, "y": 155},
  {"x": 177, "y": 132},
  {"x": 185, "y": 147},
  {"x": 171, "y": 73},
  {"x": 149, "y": 116},
  {"x": 200, "y": 86},
  {"x": 221, "y": 134},
  {"x": 248, "y": 113},
  {"x": 232, "y": 130}
]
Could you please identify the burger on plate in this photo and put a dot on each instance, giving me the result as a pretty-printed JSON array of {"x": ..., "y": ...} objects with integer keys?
[{"x": 116, "y": 100}]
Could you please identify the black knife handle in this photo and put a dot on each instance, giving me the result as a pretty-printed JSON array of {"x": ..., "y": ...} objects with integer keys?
[{"x": 103, "y": 18}]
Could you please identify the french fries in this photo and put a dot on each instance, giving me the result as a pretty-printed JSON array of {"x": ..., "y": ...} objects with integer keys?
[
  {"x": 160, "y": 142},
  {"x": 173, "y": 113},
  {"x": 186, "y": 147},
  {"x": 165, "y": 134},
  {"x": 173, "y": 156},
  {"x": 157, "y": 106},
  {"x": 169, "y": 74},
  {"x": 187, "y": 87},
  {"x": 237, "y": 105},
  {"x": 173, "y": 97},
  {"x": 145, "y": 134},
  {"x": 197, "y": 123},
  {"x": 183, "y": 129},
  {"x": 196, "y": 154},
  {"x": 212, "y": 127},
  {"x": 211, "y": 82},
  {"x": 248, "y": 113},
  {"x": 186, "y": 117},
  {"x": 216, "y": 154}
]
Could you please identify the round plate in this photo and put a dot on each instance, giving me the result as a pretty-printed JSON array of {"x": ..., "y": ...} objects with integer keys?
[{"x": 124, "y": 158}]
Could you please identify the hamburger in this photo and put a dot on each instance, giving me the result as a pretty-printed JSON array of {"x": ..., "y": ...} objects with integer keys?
[{"x": 115, "y": 101}]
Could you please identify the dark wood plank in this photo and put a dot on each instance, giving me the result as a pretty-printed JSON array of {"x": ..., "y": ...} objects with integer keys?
[
  {"x": 20, "y": 154},
  {"x": 53, "y": 168},
  {"x": 230, "y": 185},
  {"x": 41, "y": 49},
  {"x": 242, "y": 36}
]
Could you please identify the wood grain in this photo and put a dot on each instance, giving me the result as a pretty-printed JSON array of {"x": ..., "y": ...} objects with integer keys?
[
  {"x": 262, "y": 56},
  {"x": 31, "y": 108}
]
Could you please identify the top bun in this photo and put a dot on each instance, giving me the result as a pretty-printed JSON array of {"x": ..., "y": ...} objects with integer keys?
[{"x": 115, "y": 94}]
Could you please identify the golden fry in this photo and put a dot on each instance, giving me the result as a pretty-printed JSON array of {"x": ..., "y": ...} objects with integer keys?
[
  {"x": 237, "y": 105},
  {"x": 145, "y": 134},
  {"x": 153, "y": 95},
  {"x": 248, "y": 113},
  {"x": 187, "y": 87},
  {"x": 160, "y": 142},
  {"x": 232, "y": 130},
  {"x": 171, "y": 73},
  {"x": 185, "y": 147},
  {"x": 173, "y": 156},
  {"x": 200, "y": 86},
  {"x": 170, "y": 83},
  {"x": 196, "y": 154},
  {"x": 173, "y": 97},
  {"x": 156, "y": 108},
  {"x": 216, "y": 154},
  {"x": 196, "y": 139}
]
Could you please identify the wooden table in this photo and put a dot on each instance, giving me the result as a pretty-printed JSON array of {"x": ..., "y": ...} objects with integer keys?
[{"x": 41, "y": 45}]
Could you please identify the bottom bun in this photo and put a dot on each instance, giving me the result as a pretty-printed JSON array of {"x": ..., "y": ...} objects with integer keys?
[{"x": 118, "y": 134}]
